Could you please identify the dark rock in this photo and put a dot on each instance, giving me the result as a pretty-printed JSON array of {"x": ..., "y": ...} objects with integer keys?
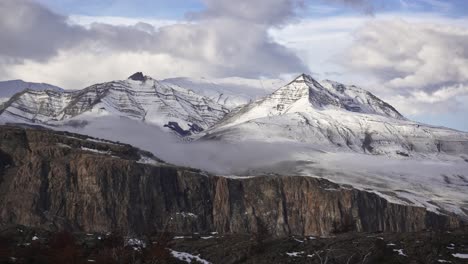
[
  {"x": 138, "y": 76},
  {"x": 174, "y": 126},
  {"x": 465, "y": 158},
  {"x": 401, "y": 153},
  {"x": 53, "y": 181},
  {"x": 367, "y": 142}
]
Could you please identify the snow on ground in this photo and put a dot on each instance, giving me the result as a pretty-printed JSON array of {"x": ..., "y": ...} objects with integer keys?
[
  {"x": 96, "y": 151},
  {"x": 460, "y": 255},
  {"x": 187, "y": 214},
  {"x": 439, "y": 185},
  {"x": 181, "y": 237},
  {"x": 187, "y": 257},
  {"x": 148, "y": 160},
  {"x": 295, "y": 254},
  {"x": 400, "y": 252},
  {"x": 136, "y": 243}
]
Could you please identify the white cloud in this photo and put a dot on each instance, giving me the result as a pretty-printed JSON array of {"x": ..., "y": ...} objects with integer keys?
[
  {"x": 414, "y": 61},
  {"x": 87, "y": 21},
  {"x": 419, "y": 102},
  {"x": 75, "y": 69},
  {"x": 220, "y": 41},
  {"x": 408, "y": 55},
  {"x": 419, "y": 66}
]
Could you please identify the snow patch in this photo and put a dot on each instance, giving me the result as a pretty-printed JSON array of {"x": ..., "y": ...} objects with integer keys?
[
  {"x": 96, "y": 151},
  {"x": 187, "y": 215},
  {"x": 460, "y": 255},
  {"x": 187, "y": 257},
  {"x": 148, "y": 160},
  {"x": 400, "y": 252},
  {"x": 295, "y": 254},
  {"x": 136, "y": 243},
  {"x": 181, "y": 237}
]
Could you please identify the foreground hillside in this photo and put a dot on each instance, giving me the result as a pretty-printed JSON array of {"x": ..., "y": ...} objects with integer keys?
[{"x": 20, "y": 244}]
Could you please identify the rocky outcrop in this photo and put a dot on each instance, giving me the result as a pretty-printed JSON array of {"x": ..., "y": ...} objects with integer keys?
[
  {"x": 59, "y": 180},
  {"x": 138, "y": 76}
]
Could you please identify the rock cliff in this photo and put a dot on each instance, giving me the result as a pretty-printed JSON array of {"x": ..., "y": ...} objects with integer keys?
[{"x": 59, "y": 180}]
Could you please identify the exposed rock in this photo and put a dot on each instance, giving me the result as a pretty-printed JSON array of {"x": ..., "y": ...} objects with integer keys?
[
  {"x": 57, "y": 180},
  {"x": 138, "y": 76}
]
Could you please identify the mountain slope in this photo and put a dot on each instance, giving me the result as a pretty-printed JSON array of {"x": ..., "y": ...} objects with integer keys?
[
  {"x": 307, "y": 128},
  {"x": 9, "y": 88},
  {"x": 230, "y": 92},
  {"x": 138, "y": 97},
  {"x": 328, "y": 129},
  {"x": 58, "y": 180},
  {"x": 335, "y": 117}
]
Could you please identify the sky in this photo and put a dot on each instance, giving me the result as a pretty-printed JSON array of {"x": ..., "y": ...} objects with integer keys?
[{"x": 411, "y": 53}]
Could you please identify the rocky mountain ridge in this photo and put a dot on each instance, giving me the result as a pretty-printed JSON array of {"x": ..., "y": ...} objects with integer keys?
[
  {"x": 59, "y": 180},
  {"x": 12, "y": 87},
  {"x": 335, "y": 117},
  {"x": 308, "y": 127},
  {"x": 139, "y": 97}
]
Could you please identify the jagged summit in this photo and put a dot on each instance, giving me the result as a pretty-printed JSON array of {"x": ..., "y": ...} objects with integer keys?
[
  {"x": 304, "y": 78},
  {"x": 307, "y": 96},
  {"x": 305, "y": 91},
  {"x": 138, "y": 76}
]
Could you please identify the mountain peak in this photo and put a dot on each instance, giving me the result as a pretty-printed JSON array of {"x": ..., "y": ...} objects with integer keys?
[
  {"x": 138, "y": 76},
  {"x": 303, "y": 78}
]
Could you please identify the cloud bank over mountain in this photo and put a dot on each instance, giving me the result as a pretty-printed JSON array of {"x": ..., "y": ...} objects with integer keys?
[{"x": 424, "y": 66}]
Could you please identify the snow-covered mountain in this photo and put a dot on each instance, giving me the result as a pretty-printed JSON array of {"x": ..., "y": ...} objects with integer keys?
[
  {"x": 323, "y": 129},
  {"x": 333, "y": 116},
  {"x": 139, "y": 97},
  {"x": 231, "y": 92},
  {"x": 9, "y": 88},
  {"x": 327, "y": 129}
]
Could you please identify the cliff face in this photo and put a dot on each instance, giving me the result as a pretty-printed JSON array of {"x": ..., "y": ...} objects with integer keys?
[{"x": 60, "y": 180}]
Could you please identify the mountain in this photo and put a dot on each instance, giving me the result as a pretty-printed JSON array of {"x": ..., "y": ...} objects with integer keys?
[
  {"x": 9, "y": 88},
  {"x": 58, "y": 180},
  {"x": 306, "y": 128},
  {"x": 328, "y": 130},
  {"x": 230, "y": 92},
  {"x": 139, "y": 97},
  {"x": 334, "y": 116}
]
